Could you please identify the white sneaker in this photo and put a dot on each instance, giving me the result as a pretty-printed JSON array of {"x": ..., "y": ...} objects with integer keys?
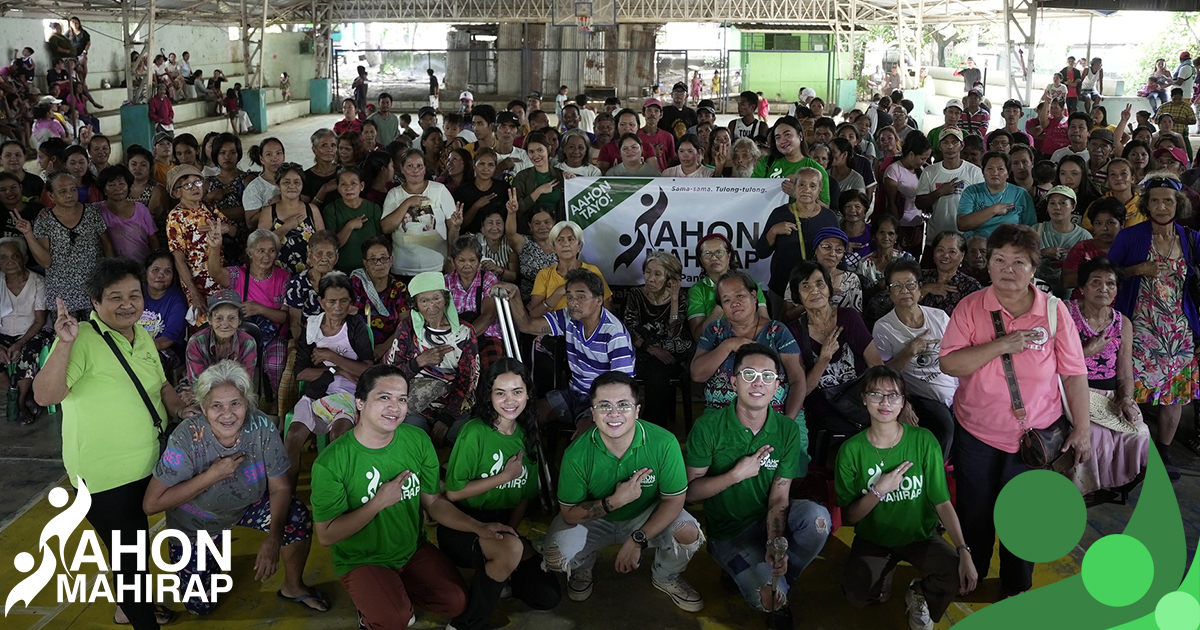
[
  {"x": 682, "y": 593},
  {"x": 579, "y": 587},
  {"x": 918, "y": 609}
]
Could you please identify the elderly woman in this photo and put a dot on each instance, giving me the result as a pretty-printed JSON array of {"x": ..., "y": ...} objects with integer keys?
[
  {"x": 469, "y": 283},
  {"x": 439, "y": 358},
  {"x": 975, "y": 263},
  {"x": 422, "y": 219},
  {"x": 498, "y": 256},
  {"x": 790, "y": 232},
  {"x": 203, "y": 485},
  {"x": 574, "y": 155},
  {"x": 379, "y": 295},
  {"x": 835, "y": 347},
  {"x": 1004, "y": 342},
  {"x": 986, "y": 206},
  {"x": 534, "y": 250},
  {"x": 743, "y": 323},
  {"x": 222, "y": 339},
  {"x": 189, "y": 227},
  {"x": 332, "y": 351},
  {"x": 261, "y": 285},
  {"x": 300, "y": 296},
  {"x": 832, "y": 246},
  {"x": 115, "y": 455},
  {"x": 550, "y": 287},
  {"x": 944, "y": 286},
  {"x": 1159, "y": 258},
  {"x": 655, "y": 318},
  {"x": 20, "y": 342},
  {"x": 69, "y": 254},
  {"x": 907, "y": 340},
  {"x": 320, "y": 181},
  {"x": 165, "y": 315},
  {"x": 131, "y": 226},
  {"x": 716, "y": 257},
  {"x": 1120, "y": 445}
]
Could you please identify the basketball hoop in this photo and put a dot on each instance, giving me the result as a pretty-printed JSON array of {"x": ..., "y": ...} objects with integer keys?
[{"x": 584, "y": 23}]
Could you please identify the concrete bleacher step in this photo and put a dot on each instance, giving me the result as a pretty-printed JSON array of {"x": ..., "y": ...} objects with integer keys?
[{"x": 110, "y": 116}]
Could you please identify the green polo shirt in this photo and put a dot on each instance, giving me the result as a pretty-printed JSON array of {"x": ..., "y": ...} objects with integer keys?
[
  {"x": 719, "y": 440},
  {"x": 108, "y": 435},
  {"x": 906, "y": 514},
  {"x": 779, "y": 168},
  {"x": 347, "y": 474},
  {"x": 702, "y": 298},
  {"x": 590, "y": 471},
  {"x": 481, "y": 452}
]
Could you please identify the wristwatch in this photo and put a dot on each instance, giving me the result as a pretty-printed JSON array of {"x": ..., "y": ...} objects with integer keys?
[
  {"x": 961, "y": 547},
  {"x": 639, "y": 537}
]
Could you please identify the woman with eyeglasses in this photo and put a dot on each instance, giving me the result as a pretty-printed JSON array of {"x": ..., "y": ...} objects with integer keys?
[
  {"x": 188, "y": 227},
  {"x": 292, "y": 219},
  {"x": 1028, "y": 356},
  {"x": 67, "y": 240},
  {"x": 379, "y": 295},
  {"x": 422, "y": 218},
  {"x": 832, "y": 246},
  {"x": 1159, "y": 258},
  {"x": 890, "y": 482}
]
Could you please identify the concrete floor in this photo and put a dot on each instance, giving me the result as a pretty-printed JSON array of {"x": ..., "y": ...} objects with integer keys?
[{"x": 30, "y": 465}]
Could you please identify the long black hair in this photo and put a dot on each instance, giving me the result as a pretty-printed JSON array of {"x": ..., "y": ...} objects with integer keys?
[{"x": 485, "y": 411}]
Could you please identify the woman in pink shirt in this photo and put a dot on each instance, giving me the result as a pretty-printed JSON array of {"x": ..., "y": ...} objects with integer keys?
[{"x": 986, "y": 440}]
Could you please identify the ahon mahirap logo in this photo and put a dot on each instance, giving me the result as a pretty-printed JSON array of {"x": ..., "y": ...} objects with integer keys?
[{"x": 109, "y": 585}]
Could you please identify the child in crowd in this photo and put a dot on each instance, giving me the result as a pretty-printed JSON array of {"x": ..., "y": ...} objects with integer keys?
[{"x": 285, "y": 87}]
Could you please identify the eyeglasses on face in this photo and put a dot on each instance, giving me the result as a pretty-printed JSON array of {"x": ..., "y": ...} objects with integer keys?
[
  {"x": 192, "y": 185},
  {"x": 829, "y": 247},
  {"x": 911, "y": 285},
  {"x": 878, "y": 397},
  {"x": 716, "y": 254},
  {"x": 607, "y": 407},
  {"x": 377, "y": 260},
  {"x": 750, "y": 374}
]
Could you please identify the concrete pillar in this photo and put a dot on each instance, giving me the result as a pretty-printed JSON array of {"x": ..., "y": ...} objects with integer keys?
[{"x": 458, "y": 54}]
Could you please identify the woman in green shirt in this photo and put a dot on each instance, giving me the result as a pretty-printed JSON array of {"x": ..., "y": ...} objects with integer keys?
[
  {"x": 491, "y": 476},
  {"x": 895, "y": 514}
]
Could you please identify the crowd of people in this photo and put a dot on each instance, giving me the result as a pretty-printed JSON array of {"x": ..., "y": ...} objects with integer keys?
[{"x": 358, "y": 302}]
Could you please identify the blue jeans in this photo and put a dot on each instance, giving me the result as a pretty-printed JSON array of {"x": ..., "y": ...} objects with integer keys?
[{"x": 744, "y": 555}]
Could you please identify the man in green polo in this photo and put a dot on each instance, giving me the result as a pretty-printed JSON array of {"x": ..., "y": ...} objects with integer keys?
[
  {"x": 952, "y": 113},
  {"x": 623, "y": 482},
  {"x": 741, "y": 461}
]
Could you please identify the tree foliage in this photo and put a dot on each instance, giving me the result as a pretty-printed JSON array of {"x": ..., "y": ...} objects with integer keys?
[{"x": 1181, "y": 32}]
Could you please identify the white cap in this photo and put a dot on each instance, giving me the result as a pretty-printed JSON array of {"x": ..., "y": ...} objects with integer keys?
[
  {"x": 466, "y": 96},
  {"x": 48, "y": 100},
  {"x": 954, "y": 103},
  {"x": 807, "y": 93}
]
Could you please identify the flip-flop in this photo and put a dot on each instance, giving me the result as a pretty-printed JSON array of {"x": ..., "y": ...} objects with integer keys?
[
  {"x": 302, "y": 600},
  {"x": 160, "y": 612}
]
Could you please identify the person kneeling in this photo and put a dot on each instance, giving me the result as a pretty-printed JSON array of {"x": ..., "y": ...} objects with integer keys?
[
  {"x": 741, "y": 460},
  {"x": 623, "y": 482},
  {"x": 368, "y": 490},
  {"x": 333, "y": 351},
  {"x": 491, "y": 476},
  {"x": 227, "y": 467},
  {"x": 895, "y": 513}
]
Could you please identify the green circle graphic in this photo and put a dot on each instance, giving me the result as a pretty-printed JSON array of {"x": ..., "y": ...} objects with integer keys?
[
  {"x": 1177, "y": 611},
  {"x": 1040, "y": 516},
  {"x": 1118, "y": 570}
]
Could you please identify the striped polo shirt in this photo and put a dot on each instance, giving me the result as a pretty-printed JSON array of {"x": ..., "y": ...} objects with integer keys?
[{"x": 609, "y": 347}]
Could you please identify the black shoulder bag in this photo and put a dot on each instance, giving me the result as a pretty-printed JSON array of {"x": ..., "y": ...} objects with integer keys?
[
  {"x": 470, "y": 316},
  {"x": 1039, "y": 448},
  {"x": 158, "y": 421}
]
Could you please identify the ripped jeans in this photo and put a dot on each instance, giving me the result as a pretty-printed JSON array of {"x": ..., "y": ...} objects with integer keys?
[
  {"x": 570, "y": 547},
  {"x": 744, "y": 555}
]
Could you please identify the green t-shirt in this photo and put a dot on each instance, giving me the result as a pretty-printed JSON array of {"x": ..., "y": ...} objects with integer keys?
[
  {"x": 346, "y": 476},
  {"x": 719, "y": 440},
  {"x": 591, "y": 472},
  {"x": 337, "y": 214},
  {"x": 780, "y": 168},
  {"x": 702, "y": 298},
  {"x": 388, "y": 127},
  {"x": 906, "y": 515},
  {"x": 480, "y": 452},
  {"x": 549, "y": 200}
]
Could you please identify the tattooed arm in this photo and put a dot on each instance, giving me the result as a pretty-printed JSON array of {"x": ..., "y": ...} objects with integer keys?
[{"x": 777, "y": 508}]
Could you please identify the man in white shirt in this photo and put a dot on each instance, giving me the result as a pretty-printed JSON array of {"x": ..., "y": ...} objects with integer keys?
[
  {"x": 587, "y": 116},
  {"x": 512, "y": 159},
  {"x": 941, "y": 185},
  {"x": 1078, "y": 126}
]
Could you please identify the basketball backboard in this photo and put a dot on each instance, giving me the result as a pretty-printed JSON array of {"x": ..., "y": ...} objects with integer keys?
[{"x": 581, "y": 13}]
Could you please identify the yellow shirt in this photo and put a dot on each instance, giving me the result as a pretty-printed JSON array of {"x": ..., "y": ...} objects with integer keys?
[
  {"x": 1132, "y": 215},
  {"x": 548, "y": 280},
  {"x": 160, "y": 172}
]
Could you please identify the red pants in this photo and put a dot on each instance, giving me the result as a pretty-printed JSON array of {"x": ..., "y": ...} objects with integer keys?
[{"x": 386, "y": 597}]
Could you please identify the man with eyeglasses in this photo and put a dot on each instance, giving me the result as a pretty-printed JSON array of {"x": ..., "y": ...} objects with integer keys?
[
  {"x": 597, "y": 342},
  {"x": 623, "y": 482},
  {"x": 741, "y": 461},
  {"x": 716, "y": 257}
]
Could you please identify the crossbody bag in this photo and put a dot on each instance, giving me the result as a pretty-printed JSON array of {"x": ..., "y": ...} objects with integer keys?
[{"x": 158, "y": 421}]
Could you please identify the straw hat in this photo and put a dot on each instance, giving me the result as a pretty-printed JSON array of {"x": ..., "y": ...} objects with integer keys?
[{"x": 1105, "y": 413}]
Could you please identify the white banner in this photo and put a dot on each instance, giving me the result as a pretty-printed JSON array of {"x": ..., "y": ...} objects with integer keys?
[{"x": 623, "y": 218}]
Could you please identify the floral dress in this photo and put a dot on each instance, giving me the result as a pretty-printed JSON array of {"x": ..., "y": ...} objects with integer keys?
[
  {"x": 963, "y": 284},
  {"x": 533, "y": 259},
  {"x": 293, "y": 250},
  {"x": 184, "y": 235},
  {"x": 1164, "y": 355},
  {"x": 394, "y": 298}
]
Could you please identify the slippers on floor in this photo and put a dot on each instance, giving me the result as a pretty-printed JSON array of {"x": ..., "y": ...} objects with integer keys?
[
  {"x": 302, "y": 600},
  {"x": 160, "y": 612}
]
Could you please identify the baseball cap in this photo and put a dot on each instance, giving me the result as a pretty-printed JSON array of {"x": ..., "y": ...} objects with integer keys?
[
  {"x": 1174, "y": 152},
  {"x": 707, "y": 108},
  {"x": 679, "y": 87},
  {"x": 951, "y": 132},
  {"x": 224, "y": 296},
  {"x": 975, "y": 91},
  {"x": 162, "y": 136},
  {"x": 507, "y": 118},
  {"x": 652, "y": 102},
  {"x": 466, "y": 96},
  {"x": 48, "y": 100},
  {"x": 1062, "y": 190},
  {"x": 953, "y": 103},
  {"x": 179, "y": 172},
  {"x": 1185, "y": 55},
  {"x": 534, "y": 94},
  {"x": 1101, "y": 134},
  {"x": 1013, "y": 102},
  {"x": 427, "y": 110}
]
